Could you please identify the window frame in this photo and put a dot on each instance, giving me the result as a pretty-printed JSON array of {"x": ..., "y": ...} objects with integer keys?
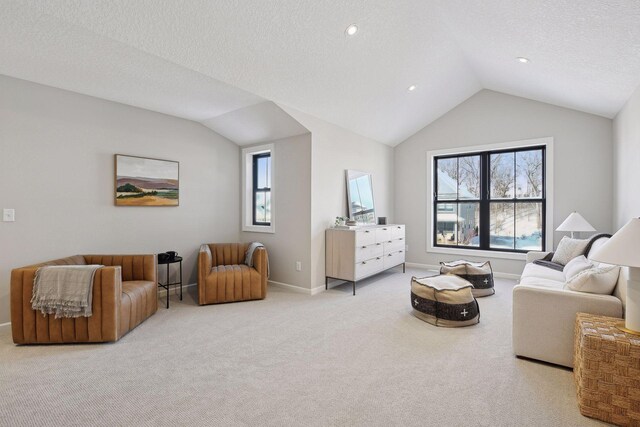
[
  {"x": 254, "y": 187},
  {"x": 249, "y": 184},
  {"x": 485, "y": 150}
]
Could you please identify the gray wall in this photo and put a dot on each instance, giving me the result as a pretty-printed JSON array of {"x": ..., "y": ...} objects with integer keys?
[
  {"x": 57, "y": 171},
  {"x": 333, "y": 150},
  {"x": 626, "y": 131},
  {"x": 291, "y": 241},
  {"x": 583, "y": 162}
]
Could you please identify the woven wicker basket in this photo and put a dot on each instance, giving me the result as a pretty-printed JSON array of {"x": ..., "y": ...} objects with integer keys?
[{"x": 607, "y": 370}]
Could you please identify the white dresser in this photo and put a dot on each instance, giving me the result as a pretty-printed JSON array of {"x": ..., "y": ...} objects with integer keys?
[{"x": 354, "y": 254}]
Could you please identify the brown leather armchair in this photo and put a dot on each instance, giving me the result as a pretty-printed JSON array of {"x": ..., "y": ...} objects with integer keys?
[
  {"x": 125, "y": 293},
  {"x": 223, "y": 276}
]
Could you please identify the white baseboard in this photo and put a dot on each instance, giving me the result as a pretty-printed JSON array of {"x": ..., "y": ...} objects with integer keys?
[
  {"x": 497, "y": 274},
  {"x": 425, "y": 266},
  {"x": 297, "y": 289},
  {"x": 163, "y": 292},
  {"x": 5, "y": 324}
]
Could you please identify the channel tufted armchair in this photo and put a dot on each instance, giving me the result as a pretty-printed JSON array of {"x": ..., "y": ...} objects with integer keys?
[
  {"x": 125, "y": 294},
  {"x": 223, "y": 276}
]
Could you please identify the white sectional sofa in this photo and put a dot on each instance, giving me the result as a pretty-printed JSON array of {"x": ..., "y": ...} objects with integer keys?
[{"x": 544, "y": 312}]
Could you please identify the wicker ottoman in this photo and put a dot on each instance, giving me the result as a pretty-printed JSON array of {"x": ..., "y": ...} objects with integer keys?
[
  {"x": 444, "y": 300},
  {"x": 479, "y": 274},
  {"x": 607, "y": 370}
]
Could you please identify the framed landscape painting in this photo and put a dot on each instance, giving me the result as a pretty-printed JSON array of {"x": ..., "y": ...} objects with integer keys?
[{"x": 141, "y": 181}]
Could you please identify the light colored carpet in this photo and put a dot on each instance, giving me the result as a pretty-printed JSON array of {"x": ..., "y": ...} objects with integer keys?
[{"x": 330, "y": 359}]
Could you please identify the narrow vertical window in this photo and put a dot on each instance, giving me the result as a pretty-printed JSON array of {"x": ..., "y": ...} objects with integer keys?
[
  {"x": 258, "y": 206},
  {"x": 262, "y": 189}
]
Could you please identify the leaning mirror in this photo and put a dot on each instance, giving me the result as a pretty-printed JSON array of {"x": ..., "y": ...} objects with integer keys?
[{"x": 360, "y": 197}]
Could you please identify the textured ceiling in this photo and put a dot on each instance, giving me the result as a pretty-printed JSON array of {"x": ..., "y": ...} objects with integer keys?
[{"x": 202, "y": 59}]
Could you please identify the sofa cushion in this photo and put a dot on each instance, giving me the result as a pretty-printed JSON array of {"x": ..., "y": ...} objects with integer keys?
[
  {"x": 594, "y": 247},
  {"x": 541, "y": 272},
  {"x": 541, "y": 283},
  {"x": 596, "y": 280},
  {"x": 575, "y": 266},
  {"x": 568, "y": 249}
]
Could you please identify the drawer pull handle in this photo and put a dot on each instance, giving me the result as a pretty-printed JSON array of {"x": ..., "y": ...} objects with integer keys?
[
  {"x": 378, "y": 258},
  {"x": 384, "y": 229},
  {"x": 390, "y": 254},
  {"x": 364, "y": 247},
  {"x": 366, "y": 231},
  {"x": 400, "y": 251},
  {"x": 399, "y": 228},
  {"x": 378, "y": 244},
  {"x": 364, "y": 262}
]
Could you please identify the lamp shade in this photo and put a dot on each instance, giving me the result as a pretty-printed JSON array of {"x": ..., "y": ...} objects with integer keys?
[
  {"x": 575, "y": 222},
  {"x": 623, "y": 248}
]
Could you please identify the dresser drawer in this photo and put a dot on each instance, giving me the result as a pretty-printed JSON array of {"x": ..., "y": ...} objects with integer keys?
[
  {"x": 368, "y": 252},
  {"x": 383, "y": 234},
  {"x": 369, "y": 267},
  {"x": 365, "y": 237},
  {"x": 397, "y": 231},
  {"x": 393, "y": 259},
  {"x": 393, "y": 246}
]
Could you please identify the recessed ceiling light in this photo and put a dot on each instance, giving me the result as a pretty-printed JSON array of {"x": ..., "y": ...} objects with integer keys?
[
  {"x": 351, "y": 30},
  {"x": 523, "y": 59},
  {"x": 411, "y": 88}
]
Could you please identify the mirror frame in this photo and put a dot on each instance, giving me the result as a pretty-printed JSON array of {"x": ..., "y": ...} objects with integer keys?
[{"x": 353, "y": 174}]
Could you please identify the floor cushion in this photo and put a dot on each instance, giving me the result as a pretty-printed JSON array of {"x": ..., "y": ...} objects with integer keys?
[
  {"x": 479, "y": 274},
  {"x": 444, "y": 300}
]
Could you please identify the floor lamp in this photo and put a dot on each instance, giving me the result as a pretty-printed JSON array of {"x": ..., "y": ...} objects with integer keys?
[
  {"x": 624, "y": 249},
  {"x": 575, "y": 223}
]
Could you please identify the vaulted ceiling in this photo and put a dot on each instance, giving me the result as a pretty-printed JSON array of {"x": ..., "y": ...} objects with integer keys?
[{"x": 217, "y": 62}]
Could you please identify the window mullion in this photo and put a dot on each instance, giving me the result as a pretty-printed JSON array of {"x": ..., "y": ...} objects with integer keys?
[{"x": 485, "y": 208}]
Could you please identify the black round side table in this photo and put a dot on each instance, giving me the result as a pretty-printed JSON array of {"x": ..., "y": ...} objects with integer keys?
[{"x": 169, "y": 284}]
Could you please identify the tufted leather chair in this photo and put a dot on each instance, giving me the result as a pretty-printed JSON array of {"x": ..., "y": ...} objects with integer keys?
[
  {"x": 125, "y": 293},
  {"x": 223, "y": 276}
]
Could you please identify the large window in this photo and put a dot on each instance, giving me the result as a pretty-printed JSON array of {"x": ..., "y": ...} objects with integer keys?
[
  {"x": 258, "y": 213},
  {"x": 490, "y": 200}
]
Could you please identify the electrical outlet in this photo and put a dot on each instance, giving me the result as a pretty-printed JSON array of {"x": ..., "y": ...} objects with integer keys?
[
  {"x": 406, "y": 248},
  {"x": 298, "y": 266},
  {"x": 8, "y": 215}
]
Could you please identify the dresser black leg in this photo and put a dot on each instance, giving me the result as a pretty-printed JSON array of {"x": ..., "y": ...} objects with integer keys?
[
  {"x": 326, "y": 283},
  {"x": 403, "y": 268},
  {"x": 354, "y": 288}
]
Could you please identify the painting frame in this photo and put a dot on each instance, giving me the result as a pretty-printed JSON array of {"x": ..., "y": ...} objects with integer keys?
[{"x": 146, "y": 181}]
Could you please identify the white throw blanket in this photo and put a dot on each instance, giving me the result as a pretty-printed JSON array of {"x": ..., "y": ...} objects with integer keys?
[
  {"x": 64, "y": 290},
  {"x": 248, "y": 259}
]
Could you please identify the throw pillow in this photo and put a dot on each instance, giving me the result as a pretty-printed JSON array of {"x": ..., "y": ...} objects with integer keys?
[
  {"x": 596, "y": 280},
  {"x": 568, "y": 249},
  {"x": 575, "y": 266}
]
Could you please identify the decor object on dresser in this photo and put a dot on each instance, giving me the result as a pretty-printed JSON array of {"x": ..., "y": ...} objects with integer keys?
[
  {"x": 360, "y": 197},
  {"x": 360, "y": 252},
  {"x": 544, "y": 307},
  {"x": 223, "y": 275},
  {"x": 623, "y": 249},
  {"x": 124, "y": 294},
  {"x": 444, "y": 300},
  {"x": 606, "y": 370},
  {"x": 575, "y": 223},
  {"x": 168, "y": 259},
  {"x": 479, "y": 274},
  {"x": 142, "y": 181}
]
